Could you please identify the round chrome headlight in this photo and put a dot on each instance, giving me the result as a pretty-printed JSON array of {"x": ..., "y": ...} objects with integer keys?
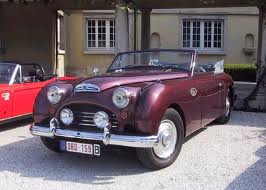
[
  {"x": 66, "y": 116},
  {"x": 54, "y": 94},
  {"x": 121, "y": 98},
  {"x": 101, "y": 119}
]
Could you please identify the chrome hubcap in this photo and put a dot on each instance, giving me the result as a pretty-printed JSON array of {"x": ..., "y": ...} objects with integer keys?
[
  {"x": 227, "y": 104},
  {"x": 167, "y": 139}
]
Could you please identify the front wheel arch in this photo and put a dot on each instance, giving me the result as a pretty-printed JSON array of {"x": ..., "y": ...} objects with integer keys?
[
  {"x": 180, "y": 111},
  {"x": 149, "y": 158}
]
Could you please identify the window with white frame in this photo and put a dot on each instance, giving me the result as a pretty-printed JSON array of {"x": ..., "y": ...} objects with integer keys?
[
  {"x": 203, "y": 34},
  {"x": 100, "y": 34}
]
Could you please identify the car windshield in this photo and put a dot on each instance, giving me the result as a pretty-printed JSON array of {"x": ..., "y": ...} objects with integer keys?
[
  {"x": 166, "y": 60},
  {"x": 6, "y": 71}
]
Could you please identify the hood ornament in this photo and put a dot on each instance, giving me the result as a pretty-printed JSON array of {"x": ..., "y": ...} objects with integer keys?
[{"x": 87, "y": 87}]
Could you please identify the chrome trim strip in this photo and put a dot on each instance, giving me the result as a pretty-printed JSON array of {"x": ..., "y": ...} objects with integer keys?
[
  {"x": 87, "y": 113},
  {"x": 106, "y": 137},
  {"x": 87, "y": 124}
]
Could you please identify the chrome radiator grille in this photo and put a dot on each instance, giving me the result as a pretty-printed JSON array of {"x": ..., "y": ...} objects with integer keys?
[
  {"x": 83, "y": 117},
  {"x": 86, "y": 118}
]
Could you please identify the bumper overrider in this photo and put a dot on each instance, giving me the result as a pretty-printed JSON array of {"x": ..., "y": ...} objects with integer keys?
[{"x": 106, "y": 137}]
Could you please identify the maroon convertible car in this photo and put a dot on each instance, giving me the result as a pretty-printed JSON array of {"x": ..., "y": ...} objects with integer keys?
[{"x": 150, "y": 100}]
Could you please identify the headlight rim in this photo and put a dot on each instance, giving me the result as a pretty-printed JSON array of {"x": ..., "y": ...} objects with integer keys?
[
  {"x": 59, "y": 92},
  {"x": 107, "y": 121},
  {"x": 70, "y": 111},
  {"x": 126, "y": 92}
]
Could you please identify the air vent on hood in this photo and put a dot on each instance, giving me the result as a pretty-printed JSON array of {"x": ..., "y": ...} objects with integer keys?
[{"x": 87, "y": 87}]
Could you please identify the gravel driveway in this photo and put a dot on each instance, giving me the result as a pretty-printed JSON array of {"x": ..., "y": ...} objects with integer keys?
[{"x": 229, "y": 156}]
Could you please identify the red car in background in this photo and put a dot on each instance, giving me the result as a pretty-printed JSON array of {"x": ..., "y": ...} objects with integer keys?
[{"x": 19, "y": 85}]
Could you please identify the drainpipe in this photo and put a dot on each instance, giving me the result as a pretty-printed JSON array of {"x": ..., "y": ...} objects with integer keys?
[
  {"x": 135, "y": 28},
  {"x": 56, "y": 44},
  {"x": 260, "y": 33}
]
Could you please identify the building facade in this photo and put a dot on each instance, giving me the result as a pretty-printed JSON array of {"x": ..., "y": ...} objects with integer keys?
[
  {"x": 86, "y": 39},
  {"x": 228, "y": 34}
]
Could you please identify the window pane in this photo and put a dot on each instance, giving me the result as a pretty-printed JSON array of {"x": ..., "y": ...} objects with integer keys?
[
  {"x": 196, "y": 34},
  {"x": 186, "y": 33},
  {"x": 207, "y": 34},
  {"x": 101, "y": 33},
  {"x": 112, "y": 33},
  {"x": 91, "y": 33},
  {"x": 217, "y": 34}
]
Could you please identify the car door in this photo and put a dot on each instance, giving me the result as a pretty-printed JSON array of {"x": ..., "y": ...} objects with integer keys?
[
  {"x": 5, "y": 102},
  {"x": 190, "y": 104},
  {"x": 24, "y": 94},
  {"x": 210, "y": 87}
]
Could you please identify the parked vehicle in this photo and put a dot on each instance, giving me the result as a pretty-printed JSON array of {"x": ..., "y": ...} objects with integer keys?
[
  {"x": 150, "y": 100},
  {"x": 19, "y": 85}
]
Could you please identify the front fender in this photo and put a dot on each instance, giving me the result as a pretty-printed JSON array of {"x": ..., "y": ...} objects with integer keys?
[
  {"x": 150, "y": 108},
  {"x": 43, "y": 110}
]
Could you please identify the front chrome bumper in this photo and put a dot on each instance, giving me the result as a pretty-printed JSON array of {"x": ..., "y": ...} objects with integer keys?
[{"x": 105, "y": 137}]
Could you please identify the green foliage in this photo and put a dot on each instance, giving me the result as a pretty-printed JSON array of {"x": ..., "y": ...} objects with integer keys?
[{"x": 241, "y": 72}]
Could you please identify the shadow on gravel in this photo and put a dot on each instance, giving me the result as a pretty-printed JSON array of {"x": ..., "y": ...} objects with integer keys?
[
  {"x": 254, "y": 177},
  {"x": 15, "y": 124},
  {"x": 249, "y": 119},
  {"x": 188, "y": 138},
  {"x": 29, "y": 158}
]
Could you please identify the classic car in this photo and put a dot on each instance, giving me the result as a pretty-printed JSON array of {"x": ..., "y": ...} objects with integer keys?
[
  {"x": 150, "y": 100},
  {"x": 19, "y": 85}
]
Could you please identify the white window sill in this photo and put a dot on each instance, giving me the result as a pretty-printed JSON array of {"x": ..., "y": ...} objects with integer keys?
[
  {"x": 99, "y": 51},
  {"x": 209, "y": 52}
]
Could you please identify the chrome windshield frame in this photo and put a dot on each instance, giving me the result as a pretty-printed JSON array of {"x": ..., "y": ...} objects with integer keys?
[{"x": 192, "y": 61}]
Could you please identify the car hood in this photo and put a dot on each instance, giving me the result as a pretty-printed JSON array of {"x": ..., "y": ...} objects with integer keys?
[{"x": 110, "y": 80}]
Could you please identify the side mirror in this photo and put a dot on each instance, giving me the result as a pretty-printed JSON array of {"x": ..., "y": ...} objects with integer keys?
[{"x": 95, "y": 71}]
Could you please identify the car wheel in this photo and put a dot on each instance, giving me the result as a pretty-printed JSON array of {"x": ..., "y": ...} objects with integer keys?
[
  {"x": 228, "y": 108},
  {"x": 51, "y": 144},
  {"x": 171, "y": 137}
]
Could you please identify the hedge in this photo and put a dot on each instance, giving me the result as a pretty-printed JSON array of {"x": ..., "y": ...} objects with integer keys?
[{"x": 241, "y": 72}]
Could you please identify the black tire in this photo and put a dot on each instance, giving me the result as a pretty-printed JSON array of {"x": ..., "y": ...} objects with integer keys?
[
  {"x": 148, "y": 157},
  {"x": 223, "y": 119},
  {"x": 51, "y": 144}
]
